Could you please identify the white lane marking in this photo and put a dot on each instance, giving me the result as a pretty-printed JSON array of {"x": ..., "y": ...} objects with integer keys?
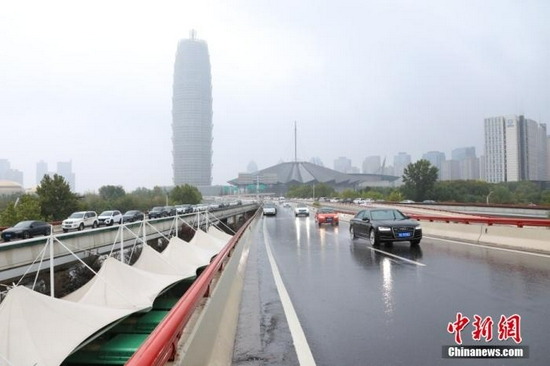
[
  {"x": 398, "y": 257},
  {"x": 305, "y": 358},
  {"x": 488, "y": 247}
]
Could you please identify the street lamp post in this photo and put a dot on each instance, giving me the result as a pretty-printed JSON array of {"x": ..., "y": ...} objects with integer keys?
[{"x": 489, "y": 195}]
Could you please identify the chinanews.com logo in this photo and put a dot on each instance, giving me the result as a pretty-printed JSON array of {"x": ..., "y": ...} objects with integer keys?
[{"x": 508, "y": 328}]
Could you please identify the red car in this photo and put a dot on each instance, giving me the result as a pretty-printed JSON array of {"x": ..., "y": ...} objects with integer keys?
[{"x": 326, "y": 215}]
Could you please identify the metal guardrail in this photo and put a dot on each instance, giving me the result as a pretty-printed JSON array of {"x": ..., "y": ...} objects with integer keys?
[
  {"x": 161, "y": 345},
  {"x": 489, "y": 221}
]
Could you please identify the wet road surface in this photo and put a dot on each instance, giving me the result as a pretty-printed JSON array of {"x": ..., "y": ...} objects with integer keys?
[{"x": 391, "y": 305}]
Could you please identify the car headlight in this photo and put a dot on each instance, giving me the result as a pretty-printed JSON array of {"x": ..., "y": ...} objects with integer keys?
[
  {"x": 384, "y": 228},
  {"x": 419, "y": 227}
]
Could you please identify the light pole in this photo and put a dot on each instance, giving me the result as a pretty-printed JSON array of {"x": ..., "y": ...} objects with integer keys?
[
  {"x": 489, "y": 195},
  {"x": 313, "y": 192}
]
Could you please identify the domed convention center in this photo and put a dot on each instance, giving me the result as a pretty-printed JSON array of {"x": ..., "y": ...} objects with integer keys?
[{"x": 8, "y": 187}]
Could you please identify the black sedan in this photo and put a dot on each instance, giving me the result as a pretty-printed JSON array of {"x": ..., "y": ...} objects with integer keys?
[
  {"x": 385, "y": 225},
  {"x": 133, "y": 215},
  {"x": 26, "y": 229}
]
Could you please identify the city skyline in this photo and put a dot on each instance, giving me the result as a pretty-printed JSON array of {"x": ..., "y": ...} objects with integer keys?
[{"x": 373, "y": 78}]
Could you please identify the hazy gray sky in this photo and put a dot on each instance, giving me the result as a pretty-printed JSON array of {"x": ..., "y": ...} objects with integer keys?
[{"x": 92, "y": 81}]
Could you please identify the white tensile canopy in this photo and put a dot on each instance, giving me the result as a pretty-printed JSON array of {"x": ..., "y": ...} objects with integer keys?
[
  {"x": 118, "y": 285},
  {"x": 180, "y": 251},
  {"x": 152, "y": 261},
  {"x": 37, "y": 329},
  {"x": 218, "y": 234},
  {"x": 203, "y": 240}
]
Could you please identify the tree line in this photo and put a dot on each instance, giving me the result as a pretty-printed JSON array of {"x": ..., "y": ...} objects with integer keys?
[{"x": 54, "y": 200}]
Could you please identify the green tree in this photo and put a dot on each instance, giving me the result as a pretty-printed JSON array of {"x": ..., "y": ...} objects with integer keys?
[
  {"x": 111, "y": 193},
  {"x": 56, "y": 199},
  {"x": 348, "y": 193},
  {"x": 419, "y": 180},
  {"x": 28, "y": 208},
  {"x": 186, "y": 194},
  {"x": 395, "y": 196}
]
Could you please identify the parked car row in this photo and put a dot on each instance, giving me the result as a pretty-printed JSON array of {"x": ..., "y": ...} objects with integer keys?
[{"x": 83, "y": 219}]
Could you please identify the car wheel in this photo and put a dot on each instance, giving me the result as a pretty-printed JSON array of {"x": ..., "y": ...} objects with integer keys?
[
  {"x": 94, "y": 225},
  {"x": 81, "y": 227},
  {"x": 320, "y": 224},
  {"x": 47, "y": 232},
  {"x": 352, "y": 233},
  {"x": 373, "y": 239},
  {"x": 26, "y": 235},
  {"x": 336, "y": 223},
  {"x": 415, "y": 242}
]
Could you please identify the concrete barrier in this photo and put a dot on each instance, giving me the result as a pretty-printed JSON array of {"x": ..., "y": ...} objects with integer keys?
[
  {"x": 211, "y": 340},
  {"x": 536, "y": 239}
]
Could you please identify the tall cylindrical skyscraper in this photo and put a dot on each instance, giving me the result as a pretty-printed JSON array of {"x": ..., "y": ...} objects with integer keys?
[{"x": 192, "y": 114}]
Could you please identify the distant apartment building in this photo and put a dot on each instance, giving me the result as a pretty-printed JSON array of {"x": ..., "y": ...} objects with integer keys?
[
  {"x": 65, "y": 169},
  {"x": 436, "y": 158},
  {"x": 450, "y": 170},
  {"x": 463, "y": 153},
  {"x": 468, "y": 163},
  {"x": 342, "y": 164},
  {"x": 41, "y": 171},
  {"x": 515, "y": 149},
  {"x": 482, "y": 171},
  {"x": 400, "y": 162},
  {"x": 317, "y": 161},
  {"x": 548, "y": 158},
  {"x": 7, "y": 173},
  {"x": 371, "y": 165}
]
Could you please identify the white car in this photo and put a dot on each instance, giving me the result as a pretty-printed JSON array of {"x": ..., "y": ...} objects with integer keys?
[
  {"x": 301, "y": 209},
  {"x": 79, "y": 220},
  {"x": 109, "y": 218},
  {"x": 269, "y": 209}
]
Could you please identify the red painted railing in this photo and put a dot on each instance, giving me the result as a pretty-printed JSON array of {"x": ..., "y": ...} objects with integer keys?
[
  {"x": 161, "y": 345},
  {"x": 487, "y": 220},
  {"x": 519, "y": 222}
]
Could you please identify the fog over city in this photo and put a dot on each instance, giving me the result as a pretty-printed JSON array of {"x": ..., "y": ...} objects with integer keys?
[{"x": 91, "y": 82}]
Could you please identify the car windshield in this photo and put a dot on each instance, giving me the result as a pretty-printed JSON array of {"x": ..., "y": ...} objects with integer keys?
[
  {"x": 77, "y": 215},
  {"x": 133, "y": 212},
  {"x": 301, "y": 205},
  {"x": 106, "y": 213},
  {"x": 23, "y": 224},
  {"x": 157, "y": 209},
  {"x": 326, "y": 210},
  {"x": 387, "y": 215}
]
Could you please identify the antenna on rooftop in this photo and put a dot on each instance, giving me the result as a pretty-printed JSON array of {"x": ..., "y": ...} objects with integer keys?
[{"x": 192, "y": 34}]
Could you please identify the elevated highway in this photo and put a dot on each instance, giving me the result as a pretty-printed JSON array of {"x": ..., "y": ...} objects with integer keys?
[{"x": 314, "y": 296}]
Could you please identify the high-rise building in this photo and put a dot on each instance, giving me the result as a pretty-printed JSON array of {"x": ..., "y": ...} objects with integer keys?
[
  {"x": 252, "y": 167},
  {"x": 41, "y": 171},
  {"x": 316, "y": 160},
  {"x": 515, "y": 149},
  {"x": 468, "y": 163},
  {"x": 463, "y": 153},
  {"x": 192, "y": 114},
  {"x": 65, "y": 169},
  {"x": 436, "y": 158},
  {"x": 342, "y": 164},
  {"x": 450, "y": 170},
  {"x": 371, "y": 165},
  {"x": 7, "y": 173},
  {"x": 400, "y": 162}
]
